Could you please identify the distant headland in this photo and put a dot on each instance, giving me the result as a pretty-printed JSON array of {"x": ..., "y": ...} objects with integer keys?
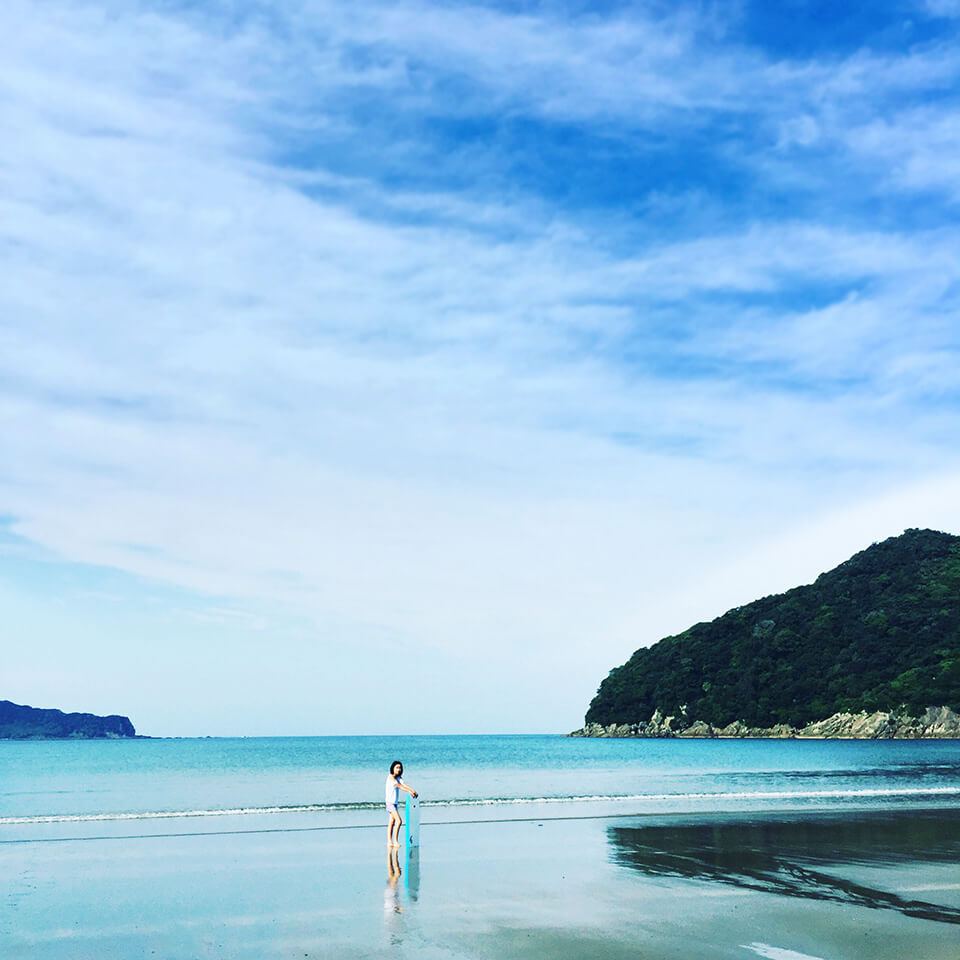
[
  {"x": 19, "y": 722},
  {"x": 870, "y": 650}
]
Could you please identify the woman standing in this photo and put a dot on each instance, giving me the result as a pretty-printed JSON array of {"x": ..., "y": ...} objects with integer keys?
[{"x": 394, "y": 786}]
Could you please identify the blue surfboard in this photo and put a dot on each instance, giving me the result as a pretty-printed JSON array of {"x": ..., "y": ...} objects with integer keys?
[{"x": 413, "y": 821}]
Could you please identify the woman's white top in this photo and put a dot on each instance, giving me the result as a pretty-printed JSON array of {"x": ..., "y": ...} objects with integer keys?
[{"x": 393, "y": 790}]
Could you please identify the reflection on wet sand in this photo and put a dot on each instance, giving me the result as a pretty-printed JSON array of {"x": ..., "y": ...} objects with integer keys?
[
  {"x": 392, "y": 910},
  {"x": 411, "y": 879},
  {"x": 391, "y": 895},
  {"x": 395, "y": 917},
  {"x": 784, "y": 856}
]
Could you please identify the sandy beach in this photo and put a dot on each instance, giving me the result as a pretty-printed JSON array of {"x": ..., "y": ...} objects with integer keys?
[{"x": 834, "y": 886}]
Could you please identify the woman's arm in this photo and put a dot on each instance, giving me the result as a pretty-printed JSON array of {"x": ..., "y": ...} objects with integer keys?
[{"x": 410, "y": 790}]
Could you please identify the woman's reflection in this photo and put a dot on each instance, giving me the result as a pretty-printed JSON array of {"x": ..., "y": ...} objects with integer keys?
[{"x": 391, "y": 895}]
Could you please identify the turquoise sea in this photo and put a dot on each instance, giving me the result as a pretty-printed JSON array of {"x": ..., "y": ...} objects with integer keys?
[
  {"x": 460, "y": 777},
  {"x": 532, "y": 846}
]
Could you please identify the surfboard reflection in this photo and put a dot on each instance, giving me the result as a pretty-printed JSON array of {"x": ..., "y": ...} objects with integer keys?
[
  {"x": 411, "y": 879},
  {"x": 785, "y": 856}
]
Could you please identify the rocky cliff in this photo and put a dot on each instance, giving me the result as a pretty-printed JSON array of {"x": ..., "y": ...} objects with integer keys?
[
  {"x": 19, "y": 722},
  {"x": 935, "y": 722}
]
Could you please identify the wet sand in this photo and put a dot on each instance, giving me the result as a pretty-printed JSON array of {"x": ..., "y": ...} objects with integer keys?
[{"x": 834, "y": 886}]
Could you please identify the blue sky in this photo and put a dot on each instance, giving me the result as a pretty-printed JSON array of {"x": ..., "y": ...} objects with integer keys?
[{"x": 405, "y": 366}]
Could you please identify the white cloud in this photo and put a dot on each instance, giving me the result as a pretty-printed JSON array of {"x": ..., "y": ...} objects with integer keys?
[
  {"x": 943, "y": 8},
  {"x": 918, "y": 148},
  {"x": 802, "y": 130},
  {"x": 634, "y": 67}
]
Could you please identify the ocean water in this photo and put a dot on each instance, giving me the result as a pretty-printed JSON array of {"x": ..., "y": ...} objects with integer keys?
[
  {"x": 532, "y": 847},
  {"x": 55, "y": 787}
]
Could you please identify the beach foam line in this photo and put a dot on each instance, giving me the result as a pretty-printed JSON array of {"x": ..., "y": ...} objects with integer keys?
[
  {"x": 777, "y": 953},
  {"x": 540, "y": 820},
  {"x": 492, "y": 802}
]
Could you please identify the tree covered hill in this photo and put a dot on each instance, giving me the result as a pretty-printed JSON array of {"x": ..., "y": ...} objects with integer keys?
[
  {"x": 19, "y": 722},
  {"x": 879, "y": 632}
]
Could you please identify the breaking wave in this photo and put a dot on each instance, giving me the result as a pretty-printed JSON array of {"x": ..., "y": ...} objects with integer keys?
[{"x": 751, "y": 795}]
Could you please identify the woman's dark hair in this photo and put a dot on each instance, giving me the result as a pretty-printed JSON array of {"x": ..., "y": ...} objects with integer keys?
[{"x": 392, "y": 765}]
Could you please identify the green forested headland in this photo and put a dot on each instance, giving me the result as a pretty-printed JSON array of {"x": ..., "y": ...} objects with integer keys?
[
  {"x": 879, "y": 632},
  {"x": 20, "y": 722}
]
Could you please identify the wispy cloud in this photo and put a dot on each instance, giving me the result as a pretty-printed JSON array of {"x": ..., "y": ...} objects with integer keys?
[
  {"x": 942, "y": 8},
  {"x": 917, "y": 150}
]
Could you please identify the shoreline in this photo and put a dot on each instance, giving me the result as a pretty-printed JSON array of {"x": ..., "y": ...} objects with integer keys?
[
  {"x": 663, "y": 809},
  {"x": 935, "y": 723},
  {"x": 851, "y": 810}
]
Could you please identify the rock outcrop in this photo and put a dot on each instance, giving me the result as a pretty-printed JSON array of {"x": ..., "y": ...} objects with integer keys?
[
  {"x": 934, "y": 723},
  {"x": 857, "y": 726},
  {"x": 19, "y": 722},
  {"x": 698, "y": 729}
]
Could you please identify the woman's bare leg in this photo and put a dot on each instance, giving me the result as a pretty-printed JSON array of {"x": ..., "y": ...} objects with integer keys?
[{"x": 393, "y": 829}]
